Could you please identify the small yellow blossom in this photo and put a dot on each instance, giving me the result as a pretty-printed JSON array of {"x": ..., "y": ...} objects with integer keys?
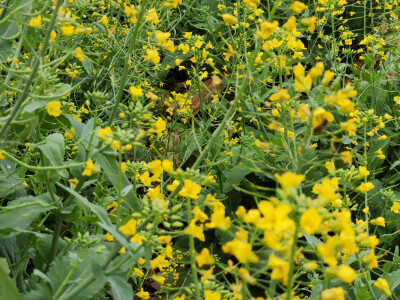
[
  {"x": 54, "y": 108},
  {"x": 380, "y": 221},
  {"x": 383, "y": 285},
  {"x": 229, "y": 19},
  {"x": 68, "y": 30},
  {"x": 90, "y": 169},
  {"x": 36, "y": 22},
  {"x": 365, "y": 187},
  {"x": 204, "y": 258},
  {"x": 290, "y": 180},
  {"x": 298, "y": 7}
]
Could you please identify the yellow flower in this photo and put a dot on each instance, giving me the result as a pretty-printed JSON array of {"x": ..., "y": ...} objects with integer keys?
[
  {"x": 371, "y": 260},
  {"x": 162, "y": 37},
  {"x": 395, "y": 207},
  {"x": 218, "y": 219},
  {"x": 68, "y": 30},
  {"x": 330, "y": 166},
  {"x": 90, "y": 169},
  {"x": 2, "y": 156},
  {"x": 267, "y": 28},
  {"x": 152, "y": 55},
  {"x": 321, "y": 117},
  {"x": 105, "y": 134},
  {"x": 290, "y": 180},
  {"x": 298, "y": 7},
  {"x": 136, "y": 92},
  {"x": 108, "y": 237},
  {"x": 199, "y": 215},
  {"x": 212, "y": 296},
  {"x": 204, "y": 258},
  {"x": 282, "y": 94},
  {"x": 365, "y": 187},
  {"x": 333, "y": 294},
  {"x": 310, "y": 220},
  {"x": 167, "y": 165},
  {"x": 169, "y": 46},
  {"x": 190, "y": 189},
  {"x": 328, "y": 76},
  {"x": 53, "y": 35},
  {"x": 104, "y": 20},
  {"x": 152, "y": 16},
  {"x": 310, "y": 23},
  {"x": 129, "y": 228},
  {"x": 244, "y": 274},
  {"x": 145, "y": 178},
  {"x": 54, "y": 108},
  {"x": 78, "y": 53},
  {"x": 363, "y": 171},
  {"x": 310, "y": 266},
  {"x": 143, "y": 295},
  {"x": 280, "y": 269},
  {"x": 383, "y": 285},
  {"x": 229, "y": 19},
  {"x": 346, "y": 157},
  {"x": 36, "y": 22},
  {"x": 242, "y": 250},
  {"x": 397, "y": 99},
  {"x": 196, "y": 231},
  {"x": 345, "y": 273},
  {"x": 380, "y": 221}
]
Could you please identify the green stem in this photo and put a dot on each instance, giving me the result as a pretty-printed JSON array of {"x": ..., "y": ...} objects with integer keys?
[
  {"x": 192, "y": 251},
  {"x": 37, "y": 62},
  {"x": 33, "y": 168},
  {"x": 291, "y": 269},
  {"x": 4, "y": 12},
  {"x": 125, "y": 72},
  {"x": 64, "y": 283}
]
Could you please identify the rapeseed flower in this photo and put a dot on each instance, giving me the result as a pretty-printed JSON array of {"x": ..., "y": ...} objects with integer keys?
[
  {"x": 54, "y": 108},
  {"x": 383, "y": 285},
  {"x": 90, "y": 169}
]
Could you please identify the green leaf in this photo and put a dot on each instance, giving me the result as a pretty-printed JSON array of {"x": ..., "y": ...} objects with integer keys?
[
  {"x": 109, "y": 164},
  {"x": 62, "y": 266},
  {"x": 20, "y": 213},
  {"x": 53, "y": 151},
  {"x": 100, "y": 212},
  {"x": 8, "y": 288},
  {"x": 235, "y": 176},
  {"x": 121, "y": 289},
  {"x": 10, "y": 180}
]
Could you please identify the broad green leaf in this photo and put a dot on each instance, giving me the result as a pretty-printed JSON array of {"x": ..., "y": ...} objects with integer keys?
[
  {"x": 100, "y": 212},
  {"x": 62, "y": 266},
  {"x": 108, "y": 163},
  {"x": 234, "y": 177},
  {"x": 121, "y": 289},
  {"x": 8, "y": 288},
  {"x": 20, "y": 213},
  {"x": 9, "y": 178},
  {"x": 53, "y": 151}
]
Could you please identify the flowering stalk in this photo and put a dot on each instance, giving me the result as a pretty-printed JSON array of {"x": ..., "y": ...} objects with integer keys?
[
  {"x": 132, "y": 43},
  {"x": 192, "y": 252}
]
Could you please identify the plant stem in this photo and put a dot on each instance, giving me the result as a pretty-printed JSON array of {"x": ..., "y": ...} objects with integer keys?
[
  {"x": 291, "y": 269},
  {"x": 122, "y": 82},
  {"x": 192, "y": 252},
  {"x": 33, "y": 168},
  {"x": 64, "y": 283}
]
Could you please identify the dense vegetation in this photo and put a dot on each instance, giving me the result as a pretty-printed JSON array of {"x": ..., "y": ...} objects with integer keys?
[{"x": 176, "y": 149}]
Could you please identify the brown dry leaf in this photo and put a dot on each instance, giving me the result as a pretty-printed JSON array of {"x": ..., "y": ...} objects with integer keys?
[{"x": 212, "y": 86}]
